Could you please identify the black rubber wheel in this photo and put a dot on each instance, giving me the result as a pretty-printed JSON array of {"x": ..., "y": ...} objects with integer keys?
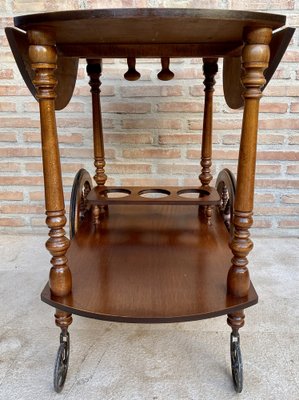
[
  {"x": 236, "y": 362},
  {"x": 81, "y": 187},
  {"x": 226, "y": 187},
  {"x": 61, "y": 363}
]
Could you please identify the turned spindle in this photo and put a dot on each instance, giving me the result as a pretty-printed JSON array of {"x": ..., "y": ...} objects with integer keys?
[
  {"x": 165, "y": 74},
  {"x": 131, "y": 74},
  {"x": 255, "y": 58}
]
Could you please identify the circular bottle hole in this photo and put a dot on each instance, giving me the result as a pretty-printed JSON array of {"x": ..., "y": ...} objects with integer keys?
[
  {"x": 154, "y": 193},
  {"x": 115, "y": 193},
  {"x": 193, "y": 193}
]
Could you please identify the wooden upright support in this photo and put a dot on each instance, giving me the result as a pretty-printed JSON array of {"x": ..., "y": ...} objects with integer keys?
[
  {"x": 210, "y": 69},
  {"x": 43, "y": 56},
  {"x": 94, "y": 70},
  {"x": 255, "y": 58}
]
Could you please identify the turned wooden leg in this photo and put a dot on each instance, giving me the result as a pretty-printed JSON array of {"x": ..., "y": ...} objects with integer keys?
[
  {"x": 43, "y": 55},
  {"x": 210, "y": 69},
  {"x": 255, "y": 58},
  {"x": 94, "y": 70}
]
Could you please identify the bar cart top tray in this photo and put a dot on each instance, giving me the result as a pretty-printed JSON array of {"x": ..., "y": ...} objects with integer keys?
[
  {"x": 107, "y": 31},
  {"x": 150, "y": 263}
]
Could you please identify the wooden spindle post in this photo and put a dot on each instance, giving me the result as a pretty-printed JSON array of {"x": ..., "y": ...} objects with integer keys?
[
  {"x": 94, "y": 70},
  {"x": 210, "y": 69},
  {"x": 43, "y": 56},
  {"x": 255, "y": 58}
]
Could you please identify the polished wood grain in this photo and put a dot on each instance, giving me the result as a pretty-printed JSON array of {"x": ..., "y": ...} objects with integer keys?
[
  {"x": 94, "y": 70},
  {"x": 126, "y": 25},
  {"x": 137, "y": 243},
  {"x": 165, "y": 74},
  {"x": 103, "y": 195},
  {"x": 66, "y": 71},
  {"x": 43, "y": 58},
  {"x": 232, "y": 68},
  {"x": 255, "y": 59},
  {"x": 210, "y": 69},
  {"x": 150, "y": 264}
]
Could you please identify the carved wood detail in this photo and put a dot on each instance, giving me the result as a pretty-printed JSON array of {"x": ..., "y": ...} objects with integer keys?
[
  {"x": 43, "y": 56},
  {"x": 255, "y": 58},
  {"x": 210, "y": 69},
  {"x": 94, "y": 70}
]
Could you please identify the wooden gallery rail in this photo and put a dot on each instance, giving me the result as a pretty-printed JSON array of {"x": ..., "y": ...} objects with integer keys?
[{"x": 141, "y": 254}]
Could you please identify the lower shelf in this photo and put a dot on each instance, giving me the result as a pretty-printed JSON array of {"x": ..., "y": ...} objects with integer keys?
[{"x": 157, "y": 263}]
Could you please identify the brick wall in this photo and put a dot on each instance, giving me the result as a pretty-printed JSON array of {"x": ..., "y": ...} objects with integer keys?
[{"x": 152, "y": 128}]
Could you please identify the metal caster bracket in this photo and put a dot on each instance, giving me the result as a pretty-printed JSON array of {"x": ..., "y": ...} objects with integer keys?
[
  {"x": 62, "y": 362},
  {"x": 236, "y": 361}
]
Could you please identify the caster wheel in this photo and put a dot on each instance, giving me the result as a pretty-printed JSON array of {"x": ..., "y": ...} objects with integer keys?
[
  {"x": 62, "y": 362},
  {"x": 81, "y": 187},
  {"x": 236, "y": 362},
  {"x": 226, "y": 187}
]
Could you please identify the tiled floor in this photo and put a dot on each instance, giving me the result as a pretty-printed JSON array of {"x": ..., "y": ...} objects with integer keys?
[{"x": 112, "y": 361}]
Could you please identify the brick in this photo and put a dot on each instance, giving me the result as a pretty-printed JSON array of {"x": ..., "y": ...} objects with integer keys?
[
  {"x": 273, "y": 123},
  {"x": 188, "y": 73},
  {"x": 6, "y": 73},
  {"x": 151, "y": 182},
  {"x": 294, "y": 139},
  {"x": 262, "y": 5},
  {"x": 289, "y": 223},
  {"x": 8, "y": 137},
  {"x": 290, "y": 199},
  {"x": 17, "y": 122},
  {"x": 66, "y": 167},
  {"x": 9, "y": 152},
  {"x": 151, "y": 153},
  {"x": 277, "y": 183},
  {"x": 151, "y": 91},
  {"x": 11, "y": 196},
  {"x": 184, "y": 107},
  {"x": 38, "y": 222},
  {"x": 264, "y": 198},
  {"x": 128, "y": 168},
  {"x": 274, "y": 210},
  {"x": 10, "y": 167},
  {"x": 268, "y": 169},
  {"x": 7, "y": 107},
  {"x": 126, "y": 108},
  {"x": 291, "y": 56},
  {"x": 179, "y": 139},
  {"x": 275, "y": 108},
  {"x": 178, "y": 169},
  {"x": 228, "y": 124},
  {"x": 73, "y": 138},
  {"x": 150, "y": 123},
  {"x": 261, "y": 223},
  {"x": 282, "y": 91},
  {"x": 20, "y": 209},
  {"x": 278, "y": 155},
  {"x": 79, "y": 153},
  {"x": 129, "y": 138},
  {"x": 13, "y": 90},
  {"x": 12, "y": 222},
  {"x": 29, "y": 6},
  {"x": 294, "y": 107},
  {"x": 217, "y": 154},
  {"x": 293, "y": 169},
  {"x": 106, "y": 91},
  {"x": 21, "y": 180},
  {"x": 191, "y": 181},
  {"x": 37, "y": 196}
]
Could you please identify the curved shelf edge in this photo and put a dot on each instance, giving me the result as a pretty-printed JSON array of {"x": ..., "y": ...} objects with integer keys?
[
  {"x": 62, "y": 304},
  {"x": 150, "y": 264}
]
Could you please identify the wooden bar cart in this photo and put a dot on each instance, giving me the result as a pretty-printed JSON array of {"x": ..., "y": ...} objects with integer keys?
[{"x": 149, "y": 254}]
